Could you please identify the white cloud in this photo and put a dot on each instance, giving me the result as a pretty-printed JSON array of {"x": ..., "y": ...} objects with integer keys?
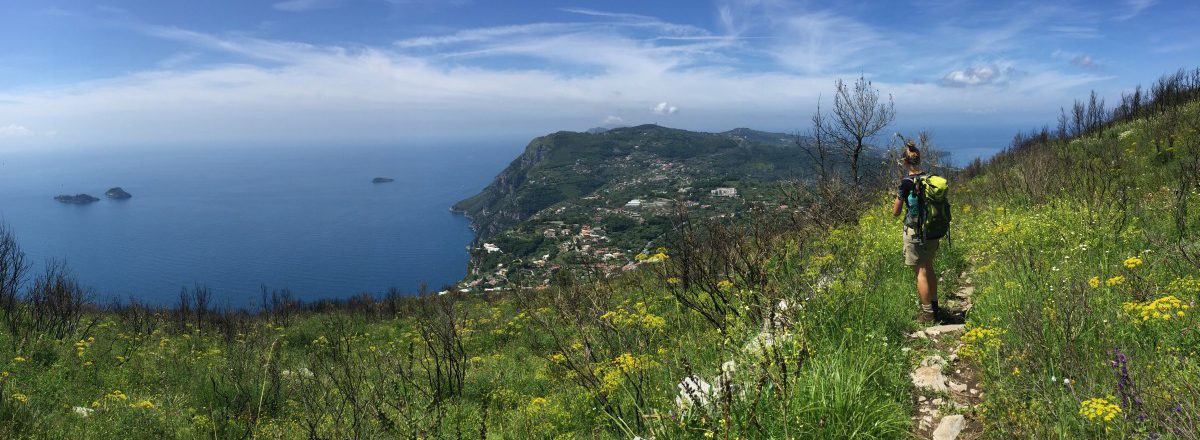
[
  {"x": 14, "y": 130},
  {"x": 611, "y": 120},
  {"x": 979, "y": 75},
  {"x": 664, "y": 109},
  {"x": 291, "y": 92}
]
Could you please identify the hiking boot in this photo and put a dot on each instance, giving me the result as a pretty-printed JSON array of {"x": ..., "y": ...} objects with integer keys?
[
  {"x": 944, "y": 316},
  {"x": 924, "y": 317}
]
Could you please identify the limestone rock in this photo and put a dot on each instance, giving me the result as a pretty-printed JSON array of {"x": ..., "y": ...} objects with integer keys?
[
  {"x": 944, "y": 329},
  {"x": 930, "y": 378},
  {"x": 957, "y": 387},
  {"x": 949, "y": 427}
]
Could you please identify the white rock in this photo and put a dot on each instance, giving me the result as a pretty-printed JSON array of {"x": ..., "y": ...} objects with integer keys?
[
  {"x": 949, "y": 427},
  {"x": 930, "y": 378},
  {"x": 937, "y": 401},
  {"x": 956, "y": 387},
  {"x": 944, "y": 329},
  {"x": 82, "y": 411}
]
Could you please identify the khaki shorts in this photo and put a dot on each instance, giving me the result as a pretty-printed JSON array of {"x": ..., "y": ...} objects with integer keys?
[{"x": 917, "y": 254}]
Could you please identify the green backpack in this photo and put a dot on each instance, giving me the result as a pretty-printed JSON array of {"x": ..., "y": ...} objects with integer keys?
[{"x": 929, "y": 207}]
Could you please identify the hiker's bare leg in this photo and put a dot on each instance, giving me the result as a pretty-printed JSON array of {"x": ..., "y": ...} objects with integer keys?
[{"x": 926, "y": 282}]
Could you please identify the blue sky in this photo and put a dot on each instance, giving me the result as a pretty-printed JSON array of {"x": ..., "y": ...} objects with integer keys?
[{"x": 81, "y": 74}]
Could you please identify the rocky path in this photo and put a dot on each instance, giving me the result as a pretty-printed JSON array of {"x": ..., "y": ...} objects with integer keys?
[{"x": 947, "y": 391}]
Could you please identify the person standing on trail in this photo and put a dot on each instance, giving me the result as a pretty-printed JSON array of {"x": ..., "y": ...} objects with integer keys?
[{"x": 918, "y": 253}]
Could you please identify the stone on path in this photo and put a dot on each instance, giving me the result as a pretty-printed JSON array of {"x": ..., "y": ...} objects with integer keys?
[
  {"x": 949, "y": 427},
  {"x": 944, "y": 329},
  {"x": 957, "y": 387},
  {"x": 930, "y": 378}
]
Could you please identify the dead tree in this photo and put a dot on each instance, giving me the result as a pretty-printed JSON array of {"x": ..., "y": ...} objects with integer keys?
[{"x": 858, "y": 115}]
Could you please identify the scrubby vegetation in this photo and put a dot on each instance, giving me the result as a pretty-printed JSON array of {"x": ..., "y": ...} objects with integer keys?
[{"x": 1082, "y": 244}]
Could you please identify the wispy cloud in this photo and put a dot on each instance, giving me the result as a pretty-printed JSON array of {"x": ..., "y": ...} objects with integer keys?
[
  {"x": 14, "y": 130},
  {"x": 1133, "y": 8},
  {"x": 764, "y": 64}
]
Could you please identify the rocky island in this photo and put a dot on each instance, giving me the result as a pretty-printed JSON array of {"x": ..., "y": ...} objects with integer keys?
[
  {"x": 77, "y": 199},
  {"x": 382, "y": 180},
  {"x": 117, "y": 193}
]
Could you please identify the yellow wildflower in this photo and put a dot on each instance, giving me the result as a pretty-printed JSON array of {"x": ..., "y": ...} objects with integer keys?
[
  {"x": 625, "y": 362},
  {"x": 724, "y": 284},
  {"x": 20, "y": 397},
  {"x": 980, "y": 340},
  {"x": 19, "y": 359},
  {"x": 143, "y": 404},
  {"x": 1115, "y": 281},
  {"x": 1099, "y": 408},
  {"x": 1163, "y": 308},
  {"x": 673, "y": 280},
  {"x": 1133, "y": 262},
  {"x": 1094, "y": 282}
]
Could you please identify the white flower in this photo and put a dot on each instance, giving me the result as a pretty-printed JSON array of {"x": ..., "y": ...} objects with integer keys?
[{"x": 82, "y": 411}]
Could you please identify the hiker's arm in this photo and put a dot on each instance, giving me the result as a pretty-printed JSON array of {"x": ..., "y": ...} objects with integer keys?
[{"x": 896, "y": 208}]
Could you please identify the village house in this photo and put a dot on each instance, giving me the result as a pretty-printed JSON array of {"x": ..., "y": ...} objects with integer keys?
[{"x": 725, "y": 192}]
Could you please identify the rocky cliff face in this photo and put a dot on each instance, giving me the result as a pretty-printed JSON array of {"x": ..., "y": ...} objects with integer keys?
[{"x": 499, "y": 204}]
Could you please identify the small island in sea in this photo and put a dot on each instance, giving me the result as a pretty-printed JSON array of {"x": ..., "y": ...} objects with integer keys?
[
  {"x": 117, "y": 193},
  {"x": 382, "y": 180},
  {"x": 77, "y": 199}
]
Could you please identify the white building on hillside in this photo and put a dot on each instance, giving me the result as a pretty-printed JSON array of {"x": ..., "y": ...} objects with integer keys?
[{"x": 725, "y": 192}]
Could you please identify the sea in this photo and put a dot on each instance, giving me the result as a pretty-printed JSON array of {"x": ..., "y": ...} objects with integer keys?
[{"x": 236, "y": 220}]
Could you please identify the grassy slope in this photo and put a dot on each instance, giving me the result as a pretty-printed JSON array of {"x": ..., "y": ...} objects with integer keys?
[
  {"x": 540, "y": 366},
  {"x": 607, "y": 361},
  {"x": 1062, "y": 275}
]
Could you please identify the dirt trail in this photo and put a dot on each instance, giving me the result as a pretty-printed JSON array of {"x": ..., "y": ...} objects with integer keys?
[{"x": 947, "y": 391}]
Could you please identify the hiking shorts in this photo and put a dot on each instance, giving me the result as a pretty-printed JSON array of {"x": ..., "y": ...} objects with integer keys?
[{"x": 915, "y": 252}]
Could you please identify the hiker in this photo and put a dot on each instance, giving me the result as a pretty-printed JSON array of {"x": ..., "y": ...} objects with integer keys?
[{"x": 919, "y": 252}]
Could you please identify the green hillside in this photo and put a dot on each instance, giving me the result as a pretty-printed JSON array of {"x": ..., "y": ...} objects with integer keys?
[
  {"x": 1082, "y": 248},
  {"x": 573, "y": 199}
]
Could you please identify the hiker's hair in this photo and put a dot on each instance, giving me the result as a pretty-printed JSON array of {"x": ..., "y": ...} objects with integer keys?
[{"x": 911, "y": 155}]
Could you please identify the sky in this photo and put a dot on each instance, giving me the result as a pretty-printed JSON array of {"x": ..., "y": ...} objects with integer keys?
[{"x": 77, "y": 74}]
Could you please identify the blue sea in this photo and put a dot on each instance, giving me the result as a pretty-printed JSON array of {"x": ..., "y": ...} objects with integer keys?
[{"x": 236, "y": 219}]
